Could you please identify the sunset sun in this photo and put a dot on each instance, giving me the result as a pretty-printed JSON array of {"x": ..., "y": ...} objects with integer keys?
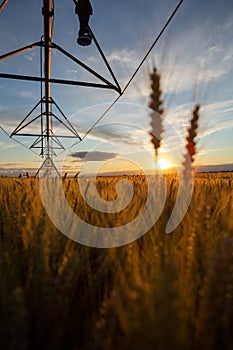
[{"x": 162, "y": 164}]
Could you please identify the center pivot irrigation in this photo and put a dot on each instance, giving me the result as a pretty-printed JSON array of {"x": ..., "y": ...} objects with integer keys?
[{"x": 46, "y": 140}]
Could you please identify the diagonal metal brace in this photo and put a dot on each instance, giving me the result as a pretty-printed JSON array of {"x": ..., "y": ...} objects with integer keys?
[{"x": 22, "y": 49}]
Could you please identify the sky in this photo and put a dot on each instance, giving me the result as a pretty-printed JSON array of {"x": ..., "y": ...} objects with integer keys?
[{"x": 194, "y": 58}]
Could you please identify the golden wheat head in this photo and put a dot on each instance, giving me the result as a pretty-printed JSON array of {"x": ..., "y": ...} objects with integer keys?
[
  {"x": 156, "y": 105},
  {"x": 191, "y": 143}
]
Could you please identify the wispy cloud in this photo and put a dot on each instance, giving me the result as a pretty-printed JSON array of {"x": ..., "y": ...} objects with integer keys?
[
  {"x": 25, "y": 94},
  {"x": 216, "y": 115},
  {"x": 10, "y": 165},
  {"x": 5, "y": 146},
  {"x": 120, "y": 58},
  {"x": 123, "y": 57},
  {"x": 30, "y": 56}
]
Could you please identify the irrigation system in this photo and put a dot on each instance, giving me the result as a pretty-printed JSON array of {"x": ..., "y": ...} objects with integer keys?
[{"x": 46, "y": 141}]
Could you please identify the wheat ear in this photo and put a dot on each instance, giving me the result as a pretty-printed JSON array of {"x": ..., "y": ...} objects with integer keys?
[
  {"x": 191, "y": 143},
  {"x": 156, "y": 105}
]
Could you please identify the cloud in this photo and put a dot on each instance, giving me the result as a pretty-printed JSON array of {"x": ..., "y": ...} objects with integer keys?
[
  {"x": 187, "y": 76},
  {"x": 94, "y": 156},
  {"x": 123, "y": 57},
  {"x": 123, "y": 63},
  {"x": 200, "y": 55},
  {"x": 25, "y": 94},
  {"x": 30, "y": 56},
  {"x": 4, "y": 145},
  {"x": 206, "y": 152},
  {"x": 9, "y": 165},
  {"x": 217, "y": 116}
]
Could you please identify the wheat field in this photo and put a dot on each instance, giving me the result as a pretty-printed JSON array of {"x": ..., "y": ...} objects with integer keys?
[{"x": 163, "y": 291}]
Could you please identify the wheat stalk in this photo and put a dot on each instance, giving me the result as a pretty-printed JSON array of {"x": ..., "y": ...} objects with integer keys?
[
  {"x": 156, "y": 105},
  {"x": 191, "y": 143}
]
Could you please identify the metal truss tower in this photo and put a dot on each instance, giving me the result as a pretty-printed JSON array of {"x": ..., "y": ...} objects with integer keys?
[{"x": 46, "y": 139}]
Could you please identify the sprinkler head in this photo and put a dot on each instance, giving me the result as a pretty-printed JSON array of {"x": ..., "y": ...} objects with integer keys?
[{"x": 84, "y": 39}]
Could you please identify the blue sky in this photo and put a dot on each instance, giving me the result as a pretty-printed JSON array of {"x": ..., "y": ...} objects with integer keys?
[{"x": 194, "y": 57}]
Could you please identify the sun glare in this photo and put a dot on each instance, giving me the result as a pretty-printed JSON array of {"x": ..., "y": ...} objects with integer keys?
[{"x": 162, "y": 164}]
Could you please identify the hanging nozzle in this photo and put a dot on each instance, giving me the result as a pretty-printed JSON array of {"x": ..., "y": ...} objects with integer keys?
[{"x": 83, "y": 9}]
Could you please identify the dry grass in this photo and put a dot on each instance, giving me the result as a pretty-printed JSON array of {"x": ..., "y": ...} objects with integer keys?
[{"x": 163, "y": 291}]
